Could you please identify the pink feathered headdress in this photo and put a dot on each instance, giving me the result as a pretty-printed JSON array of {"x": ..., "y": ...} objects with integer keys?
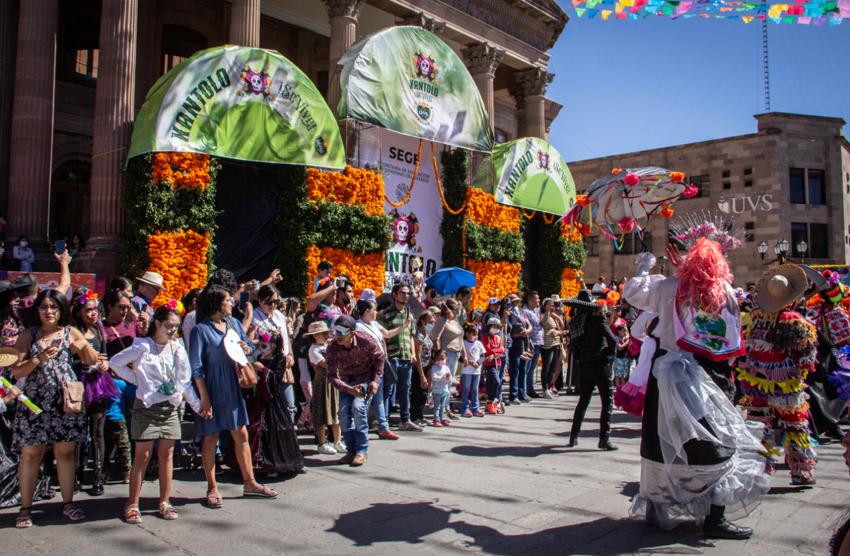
[{"x": 703, "y": 277}]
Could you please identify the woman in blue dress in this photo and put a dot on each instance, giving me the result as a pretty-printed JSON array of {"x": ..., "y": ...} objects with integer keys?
[{"x": 222, "y": 405}]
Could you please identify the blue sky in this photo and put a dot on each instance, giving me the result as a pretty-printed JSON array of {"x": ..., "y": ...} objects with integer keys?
[{"x": 634, "y": 85}]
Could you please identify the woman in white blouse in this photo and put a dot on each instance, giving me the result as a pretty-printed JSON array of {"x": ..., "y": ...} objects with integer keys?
[{"x": 159, "y": 367}]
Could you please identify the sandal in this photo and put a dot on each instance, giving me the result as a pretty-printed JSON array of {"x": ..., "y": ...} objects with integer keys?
[
  {"x": 167, "y": 511},
  {"x": 264, "y": 492},
  {"x": 24, "y": 519},
  {"x": 132, "y": 515},
  {"x": 214, "y": 499},
  {"x": 72, "y": 512}
]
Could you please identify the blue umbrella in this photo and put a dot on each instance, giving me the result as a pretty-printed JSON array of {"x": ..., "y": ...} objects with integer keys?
[{"x": 447, "y": 280}]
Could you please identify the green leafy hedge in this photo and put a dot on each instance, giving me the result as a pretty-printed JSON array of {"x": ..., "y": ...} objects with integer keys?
[
  {"x": 550, "y": 253},
  {"x": 150, "y": 207},
  {"x": 490, "y": 244},
  {"x": 454, "y": 188},
  {"x": 347, "y": 227}
]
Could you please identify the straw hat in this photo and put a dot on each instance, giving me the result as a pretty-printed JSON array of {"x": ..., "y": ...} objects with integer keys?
[
  {"x": 152, "y": 279},
  {"x": 780, "y": 286},
  {"x": 8, "y": 356},
  {"x": 317, "y": 328}
]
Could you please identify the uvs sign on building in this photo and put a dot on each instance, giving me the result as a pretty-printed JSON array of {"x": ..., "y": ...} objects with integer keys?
[{"x": 746, "y": 203}]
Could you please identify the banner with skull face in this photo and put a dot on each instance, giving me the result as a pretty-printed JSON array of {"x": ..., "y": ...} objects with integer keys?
[
  {"x": 528, "y": 173},
  {"x": 408, "y": 80},
  {"x": 240, "y": 103}
]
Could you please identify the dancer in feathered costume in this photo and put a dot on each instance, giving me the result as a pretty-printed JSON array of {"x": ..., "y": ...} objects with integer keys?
[
  {"x": 698, "y": 457},
  {"x": 781, "y": 352}
]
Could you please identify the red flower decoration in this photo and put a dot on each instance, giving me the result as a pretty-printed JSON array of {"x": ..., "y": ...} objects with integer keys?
[
  {"x": 666, "y": 210},
  {"x": 677, "y": 177},
  {"x": 582, "y": 200},
  {"x": 627, "y": 224},
  {"x": 631, "y": 179},
  {"x": 690, "y": 191}
]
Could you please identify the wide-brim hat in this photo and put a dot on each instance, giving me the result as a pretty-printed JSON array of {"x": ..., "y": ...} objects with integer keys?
[
  {"x": 583, "y": 300},
  {"x": 23, "y": 282},
  {"x": 780, "y": 286},
  {"x": 8, "y": 356},
  {"x": 152, "y": 279},
  {"x": 317, "y": 328},
  {"x": 5, "y": 286}
]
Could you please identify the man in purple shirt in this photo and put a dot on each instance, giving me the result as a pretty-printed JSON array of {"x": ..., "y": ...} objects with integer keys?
[{"x": 355, "y": 367}]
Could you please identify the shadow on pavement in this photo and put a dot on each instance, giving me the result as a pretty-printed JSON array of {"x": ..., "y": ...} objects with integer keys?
[
  {"x": 411, "y": 522},
  {"x": 512, "y": 451}
]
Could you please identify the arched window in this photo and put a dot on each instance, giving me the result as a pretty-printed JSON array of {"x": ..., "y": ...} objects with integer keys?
[
  {"x": 179, "y": 43},
  {"x": 69, "y": 200}
]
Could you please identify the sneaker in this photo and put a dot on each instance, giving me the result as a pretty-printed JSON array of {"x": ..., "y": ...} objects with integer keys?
[
  {"x": 339, "y": 447},
  {"x": 479, "y": 414},
  {"x": 327, "y": 449},
  {"x": 802, "y": 481},
  {"x": 421, "y": 422},
  {"x": 388, "y": 435},
  {"x": 491, "y": 408},
  {"x": 358, "y": 460},
  {"x": 437, "y": 423},
  {"x": 446, "y": 422},
  {"x": 547, "y": 394},
  {"x": 467, "y": 414},
  {"x": 409, "y": 426}
]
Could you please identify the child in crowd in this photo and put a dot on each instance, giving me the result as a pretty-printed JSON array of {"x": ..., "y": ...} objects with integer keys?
[
  {"x": 116, "y": 434},
  {"x": 493, "y": 352},
  {"x": 471, "y": 374},
  {"x": 324, "y": 397},
  {"x": 622, "y": 360},
  {"x": 441, "y": 379}
]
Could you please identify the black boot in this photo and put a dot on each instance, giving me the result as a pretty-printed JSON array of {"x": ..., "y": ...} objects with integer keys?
[
  {"x": 573, "y": 441},
  {"x": 717, "y": 526},
  {"x": 97, "y": 484},
  {"x": 605, "y": 444}
]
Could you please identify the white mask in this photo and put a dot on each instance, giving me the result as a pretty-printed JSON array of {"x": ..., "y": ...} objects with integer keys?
[
  {"x": 429, "y": 328},
  {"x": 494, "y": 330},
  {"x": 24, "y": 243}
]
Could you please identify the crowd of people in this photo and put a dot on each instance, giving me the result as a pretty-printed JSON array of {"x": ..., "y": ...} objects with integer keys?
[{"x": 118, "y": 387}]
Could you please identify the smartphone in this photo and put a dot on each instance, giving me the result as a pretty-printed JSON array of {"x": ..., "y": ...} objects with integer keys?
[
  {"x": 59, "y": 246},
  {"x": 339, "y": 282},
  {"x": 243, "y": 301}
]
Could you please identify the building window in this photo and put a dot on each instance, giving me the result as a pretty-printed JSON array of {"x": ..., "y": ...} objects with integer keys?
[
  {"x": 749, "y": 231},
  {"x": 799, "y": 231},
  {"x": 797, "y": 185},
  {"x": 591, "y": 245},
  {"x": 727, "y": 173},
  {"x": 818, "y": 241},
  {"x": 179, "y": 43},
  {"x": 817, "y": 187},
  {"x": 727, "y": 184},
  {"x": 86, "y": 63},
  {"x": 703, "y": 185},
  {"x": 748, "y": 171},
  {"x": 748, "y": 183}
]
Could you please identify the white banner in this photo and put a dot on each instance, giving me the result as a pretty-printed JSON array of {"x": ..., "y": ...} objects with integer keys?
[{"x": 416, "y": 243}]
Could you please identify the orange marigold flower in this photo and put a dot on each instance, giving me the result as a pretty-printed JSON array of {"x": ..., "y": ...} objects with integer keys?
[
  {"x": 188, "y": 170},
  {"x": 616, "y": 171},
  {"x": 677, "y": 177},
  {"x": 492, "y": 279},
  {"x": 667, "y": 210},
  {"x": 181, "y": 259},
  {"x": 353, "y": 186},
  {"x": 573, "y": 234},
  {"x": 582, "y": 200},
  {"x": 366, "y": 270},
  {"x": 482, "y": 209}
]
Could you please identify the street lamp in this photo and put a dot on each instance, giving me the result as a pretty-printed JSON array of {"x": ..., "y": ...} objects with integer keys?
[
  {"x": 663, "y": 259},
  {"x": 802, "y": 246},
  {"x": 781, "y": 250},
  {"x": 762, "y": 248}
]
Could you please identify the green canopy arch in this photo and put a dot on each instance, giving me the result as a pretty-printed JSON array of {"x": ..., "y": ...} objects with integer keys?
[
  {"x": 240, "y": 103},
  {"x": 408, "y": 80}
]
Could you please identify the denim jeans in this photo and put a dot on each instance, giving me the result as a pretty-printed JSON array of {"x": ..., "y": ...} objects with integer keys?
[
  {"x": 452, "y": 357},
  {"x": 403, "y": 369},
  {"x": 354, "y": 421},
  {"x": 287, "y": 392},
  {"x": 516, "y": 366},
  {"x": 469, "y": 393},
  {"x": 441, "y": 402},
  {"x": 530, "y": 369},
  {"x": 380, "y": 409}
]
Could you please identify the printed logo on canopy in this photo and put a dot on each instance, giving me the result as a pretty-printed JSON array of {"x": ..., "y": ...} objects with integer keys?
[
  {"x": 240, "y": 103},
  {"x": 528, "y": 173},
  {"x": 408, "y": 80}
]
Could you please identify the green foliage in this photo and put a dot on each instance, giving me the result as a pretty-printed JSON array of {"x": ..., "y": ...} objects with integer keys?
[
  {"x": 348, "y": 227},
  {"x": 454, "y": 188},
  {"x": 550, "y": 254},
  {"x": 293, "y": 235},
  {"x": 150, "y": 208},
  {"x": 491, "y": 244},
  {"x": 574, "y": 254}
]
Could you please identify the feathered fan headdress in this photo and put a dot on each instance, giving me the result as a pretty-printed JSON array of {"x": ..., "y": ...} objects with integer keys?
[{"x": 687, "y": 229}]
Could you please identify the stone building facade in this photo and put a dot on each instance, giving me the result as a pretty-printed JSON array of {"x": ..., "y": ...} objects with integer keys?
[
  {"x": 789, "y": 180},
  {"x": 73, "y": 75}
]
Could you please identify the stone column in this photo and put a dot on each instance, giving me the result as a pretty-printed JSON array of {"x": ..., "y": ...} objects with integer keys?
[
  {"x": 530, "y": 91},
  {"x": 245, "y": 23},
  {"x": 32, "y": 119},
  {"x": 343, "y": 16},
  {"x": 113, "y": 123},
  {"x": 482, "y": 60},
  {"x": 8, "y": 39}
]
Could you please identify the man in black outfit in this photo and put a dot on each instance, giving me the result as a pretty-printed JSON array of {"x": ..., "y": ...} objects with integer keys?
[{"x": 593, "y": 346}]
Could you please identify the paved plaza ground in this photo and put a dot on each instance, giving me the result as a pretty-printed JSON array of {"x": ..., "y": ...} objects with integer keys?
[{"x": 502, "y": 485}]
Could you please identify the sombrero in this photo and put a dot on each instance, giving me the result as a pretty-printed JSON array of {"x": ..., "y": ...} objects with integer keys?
[
  {"x": 583, "y": 300},
  {"x": 780, "y": 286},
  {"x": 8, "y": 356}
]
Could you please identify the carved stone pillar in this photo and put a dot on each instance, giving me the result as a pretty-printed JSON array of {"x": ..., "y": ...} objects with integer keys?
[
  {"x": 8, "y": 40},
  {"x": 529, "y": 91},
  {"x": 113, "y": 123},
  {"x": 482, "y": 60},
  {"x": 245, "y": 23},
  {"x": 32, "y": 119},
  {"x": 426, "y": 22},
  {"x": 343, "y": 17}
]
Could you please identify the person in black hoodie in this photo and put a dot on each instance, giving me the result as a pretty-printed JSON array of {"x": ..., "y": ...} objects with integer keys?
[{"x": 593, "y": 344}]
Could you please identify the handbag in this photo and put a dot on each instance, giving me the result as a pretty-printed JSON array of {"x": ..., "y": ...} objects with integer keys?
[
  {"x": 72, "y": 396},
  {"x": 247, "y": 375}
]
